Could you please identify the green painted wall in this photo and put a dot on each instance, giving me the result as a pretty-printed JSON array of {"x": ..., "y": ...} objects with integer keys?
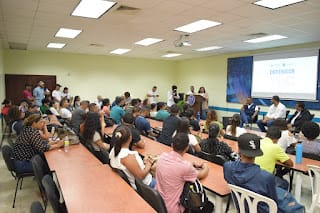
[{"x": 92, "y": 75}]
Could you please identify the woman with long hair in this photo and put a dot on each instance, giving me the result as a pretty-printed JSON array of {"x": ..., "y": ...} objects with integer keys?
[
  {"x": 130, "y": 162},
  {"x": 234, "y": 129},
  {"x": 94, "y": 130},
  {"x": 212, "y": 117},
  {"x": 184, "y": 127},
  {"x": 29, "y": 143},
  {"x": 205, "y": 102},
  {"x": 16, "y": 117},
  {"x": 213, "y": 146}
]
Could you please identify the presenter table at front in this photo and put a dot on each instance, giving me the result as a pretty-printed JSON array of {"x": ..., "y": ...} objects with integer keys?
[
  {"x": 76, "y": 156},
  {"x": 214, "y": 182},
  {"x": 98, "y": 189}
]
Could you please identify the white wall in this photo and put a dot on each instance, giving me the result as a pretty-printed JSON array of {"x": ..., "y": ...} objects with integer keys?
[{"x": 2, "y": 86}]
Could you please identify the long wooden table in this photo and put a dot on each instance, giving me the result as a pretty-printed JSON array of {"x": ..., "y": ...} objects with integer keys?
[
  {"x": 214, "y": 182},
  {"x": 89, "y": 186}
]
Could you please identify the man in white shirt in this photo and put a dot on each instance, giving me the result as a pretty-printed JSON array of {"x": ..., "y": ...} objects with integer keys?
[
  {"x": 191, "y": 91},
  {"x": 276, "y": 110},
  {"x": 57, "y": 94},
  {"x": 153, "y": 95},
  {"x": 172, "y": 96}
]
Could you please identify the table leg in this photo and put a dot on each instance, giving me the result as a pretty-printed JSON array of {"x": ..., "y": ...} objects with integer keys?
[
  {"x": 218, "y": 204},
  {"x": 297, "y": 190},
  {"x": 291, "y": 174}
]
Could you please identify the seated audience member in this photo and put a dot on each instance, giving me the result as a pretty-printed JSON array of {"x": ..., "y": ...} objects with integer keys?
[
  {"x": 16, "y": 117},
  {"x": 130, "y": 162},
  {"x": 153, "y": 110},
  {"x": 54, "y": 107},
  {"x": 52, "y": 119},
  {"x": 33, "y": 109},
  {"x": 128, "y": 120},
  {"x": 170, "y": 125},
  {"x": 193, "y": 122},
  {"x": 142, "y": 124},
  {"x": 93, "y": 107},
  {"x": 272, "y": 153},
  {"x": 185, "y": 107},
  {"x": 234, "y": 129},
  {"x": 213, "y": 146},
  {"x": 310, "y": 131},
  {"x": 93, "y": 131},
  {"x": 248, "y": 175},
  {"x": 45, "y": 105},
  {"x": 24, "y": 106},
  {"x": 300, "y": 116},
  {"x": 76, "y": 102},
  {"x": 162, "y": 112},
  {"x": 6, "y": 106},
  {"x": 276, "y": 110},
  {"x": 184, "y": 127},
  {"x": 29, "y": 143},
  {"x": 212, "y": 117},
  {"x": 145, "y": 103},
  {"x": 134, "y": 103},
  {"x": 173, "y": 171},
  {"x": 78, "y": 115},
  {"x": 117, "y": 111},
  {"x": 136, "y": 111},
  {"x": 248, "y": 112},
  {"x": 64, "y": 112},
  {"x": 287, "y": 138},
  {"x": 127, "y": 98},
  {"x": 98, "y": 102},
  {"x": 105, "y": 107}
]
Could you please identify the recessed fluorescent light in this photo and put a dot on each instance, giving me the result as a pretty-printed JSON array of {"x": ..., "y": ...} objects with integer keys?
[
  {"x": 197, "y": 26},
  {"x": 67, "y": 33},
  {"x": 274, "y": 4},
  {"x": 265, "y": 38},
  {"x": 148, "y": 41},
  {"x": 208, "y": 48},
  {"x": 56, "y": 45},
  {"x": 171, "y": 55},
  {"x": 120, "y": 51},
  {"x": 92, "y": 8}
]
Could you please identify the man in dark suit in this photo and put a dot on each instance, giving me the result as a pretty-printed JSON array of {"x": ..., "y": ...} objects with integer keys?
[{"x": 299, "y": 117}]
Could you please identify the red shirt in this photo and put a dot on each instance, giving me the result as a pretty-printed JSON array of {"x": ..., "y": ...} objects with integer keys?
[{"x": 26, "y": 94}]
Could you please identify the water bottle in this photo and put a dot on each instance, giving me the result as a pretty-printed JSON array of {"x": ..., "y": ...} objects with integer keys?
[
  {"x": 52, "y": 132},
  {"x": 66, "y": 144},
  {"x": 198, "y": 117},
  {"x": 299, "y": 152}
]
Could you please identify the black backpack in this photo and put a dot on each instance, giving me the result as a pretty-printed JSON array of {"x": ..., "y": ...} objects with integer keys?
[{"x": 194, "y": 198}]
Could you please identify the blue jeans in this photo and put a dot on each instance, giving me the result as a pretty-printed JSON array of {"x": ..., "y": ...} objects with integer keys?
[
  {"x": 262, "y": 125},
  {"x": 204, "y": 114},
  {"x": 24, "y": 166},
  {"x": 245, "y": 119},
  {"x": 152, "y": 184}
]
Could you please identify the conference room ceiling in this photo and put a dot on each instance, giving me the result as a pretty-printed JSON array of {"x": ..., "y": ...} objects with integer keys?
[{"x": 32, "y": 24}]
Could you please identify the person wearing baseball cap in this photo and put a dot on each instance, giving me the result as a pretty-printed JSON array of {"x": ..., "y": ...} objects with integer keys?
[{"x": 247, "y": 174}]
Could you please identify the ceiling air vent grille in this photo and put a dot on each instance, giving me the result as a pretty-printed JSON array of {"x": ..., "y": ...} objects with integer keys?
[
  {"x": 17, "y": 46},
  {"x": 127, "y": 9}
]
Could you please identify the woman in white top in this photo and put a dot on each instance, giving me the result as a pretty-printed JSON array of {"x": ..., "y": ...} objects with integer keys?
[
  {"x": 94, "y": 130},
  {"x": 129, "y": 161},
  {"x": 287, "y": 138},
  {"x": 234, "y": 129},
  {"x": 54, "y": 105},
  {"x": 184, "y": 127}
]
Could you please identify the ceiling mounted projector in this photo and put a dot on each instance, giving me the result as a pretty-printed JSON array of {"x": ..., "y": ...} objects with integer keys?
[{"x": 182, "y": 41}]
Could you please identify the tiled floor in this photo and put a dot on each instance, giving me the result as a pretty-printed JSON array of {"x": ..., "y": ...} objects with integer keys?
[{"x": 30, "y": 193}]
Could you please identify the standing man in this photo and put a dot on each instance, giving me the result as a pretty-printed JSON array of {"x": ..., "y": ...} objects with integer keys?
[
  {"x": 153, "y": 95},
  {"x": 248, "y": 112},
  {"x": 299, "y": 117},
  {"x": 27, "y": 94},
  {"x": 191, "y": 99},
  {"x": 276, "y": 110},
  {"x": 38, "y": 93},
  {"x": 56, "y": 94},
  {"x": 173, "y": 96}
]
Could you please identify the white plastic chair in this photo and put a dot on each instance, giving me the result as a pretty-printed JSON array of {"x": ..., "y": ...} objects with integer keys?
[
  {"x": 314, "y": 175},
  {"x": 241, "y": 196}
]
